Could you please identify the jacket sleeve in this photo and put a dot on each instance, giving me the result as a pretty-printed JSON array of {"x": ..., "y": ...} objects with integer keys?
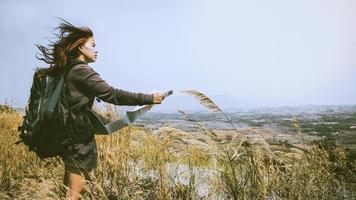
[{"x": 91, "y": 82}]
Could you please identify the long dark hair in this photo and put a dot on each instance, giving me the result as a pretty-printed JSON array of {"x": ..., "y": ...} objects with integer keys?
[{"x": 58, "y": 54}]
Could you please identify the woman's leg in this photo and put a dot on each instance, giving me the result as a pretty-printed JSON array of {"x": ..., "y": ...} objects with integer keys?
[
  {"x": 75, "y": 181},
  {"x": 78, "y": 163}
]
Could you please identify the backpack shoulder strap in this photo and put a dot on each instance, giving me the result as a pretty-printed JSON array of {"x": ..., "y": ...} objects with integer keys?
[{"x": 56, "y": 91}]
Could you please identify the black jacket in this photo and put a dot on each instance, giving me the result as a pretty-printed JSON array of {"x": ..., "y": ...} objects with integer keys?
[{"x": 82, "y": 85}]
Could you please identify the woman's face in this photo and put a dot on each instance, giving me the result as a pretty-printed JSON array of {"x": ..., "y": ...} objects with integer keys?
[{"x": 89, "y": 51}]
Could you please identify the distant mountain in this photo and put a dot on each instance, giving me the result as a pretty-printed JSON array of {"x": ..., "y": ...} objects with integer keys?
[
  {"x": 22, "y": 110},
  {"x": 231, "y": 105}
]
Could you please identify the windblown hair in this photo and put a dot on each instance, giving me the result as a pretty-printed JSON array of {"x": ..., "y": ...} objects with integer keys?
[{"x": 58, "y": 54}]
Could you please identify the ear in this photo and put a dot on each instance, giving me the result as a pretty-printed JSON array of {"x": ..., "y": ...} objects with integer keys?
[{"x": 80, "y": 49}]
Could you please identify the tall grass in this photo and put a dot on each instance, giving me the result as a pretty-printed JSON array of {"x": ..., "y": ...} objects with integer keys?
[
  {"x": 255, "y": 172},
  {"x": 136, "y": 163}
]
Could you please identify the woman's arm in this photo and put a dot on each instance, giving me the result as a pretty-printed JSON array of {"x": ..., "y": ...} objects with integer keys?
[{"x": 91, "y": 82}]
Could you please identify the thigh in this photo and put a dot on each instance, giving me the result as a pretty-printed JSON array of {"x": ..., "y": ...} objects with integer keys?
[
  {"x": 77, "y": 173},
  {"x": 81, "y": 156}
]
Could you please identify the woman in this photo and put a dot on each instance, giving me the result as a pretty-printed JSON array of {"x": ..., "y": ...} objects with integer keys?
[{"x": 70, "y": 54}]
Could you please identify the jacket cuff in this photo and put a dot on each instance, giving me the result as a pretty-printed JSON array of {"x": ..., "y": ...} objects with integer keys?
[{"x": 150, "y": 99}]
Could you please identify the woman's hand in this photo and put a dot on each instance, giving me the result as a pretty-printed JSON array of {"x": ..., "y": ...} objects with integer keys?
[{"x": 157, "y": 98}]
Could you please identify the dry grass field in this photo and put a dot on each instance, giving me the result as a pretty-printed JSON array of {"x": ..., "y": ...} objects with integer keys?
[{"x": 137, "y": 163}]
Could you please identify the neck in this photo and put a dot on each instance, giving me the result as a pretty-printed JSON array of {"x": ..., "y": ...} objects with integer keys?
[{"x": 81, "y": 58}]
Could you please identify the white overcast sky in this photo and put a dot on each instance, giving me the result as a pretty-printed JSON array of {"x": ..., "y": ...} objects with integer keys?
[{"x": 240, "y": 53}]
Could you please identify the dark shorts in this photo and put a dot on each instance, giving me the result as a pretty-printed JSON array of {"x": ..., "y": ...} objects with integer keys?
[{"x": 81, "y": 156}]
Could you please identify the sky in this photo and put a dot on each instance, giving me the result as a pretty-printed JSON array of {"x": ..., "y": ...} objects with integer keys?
[{"x": 241, "y": 54}]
